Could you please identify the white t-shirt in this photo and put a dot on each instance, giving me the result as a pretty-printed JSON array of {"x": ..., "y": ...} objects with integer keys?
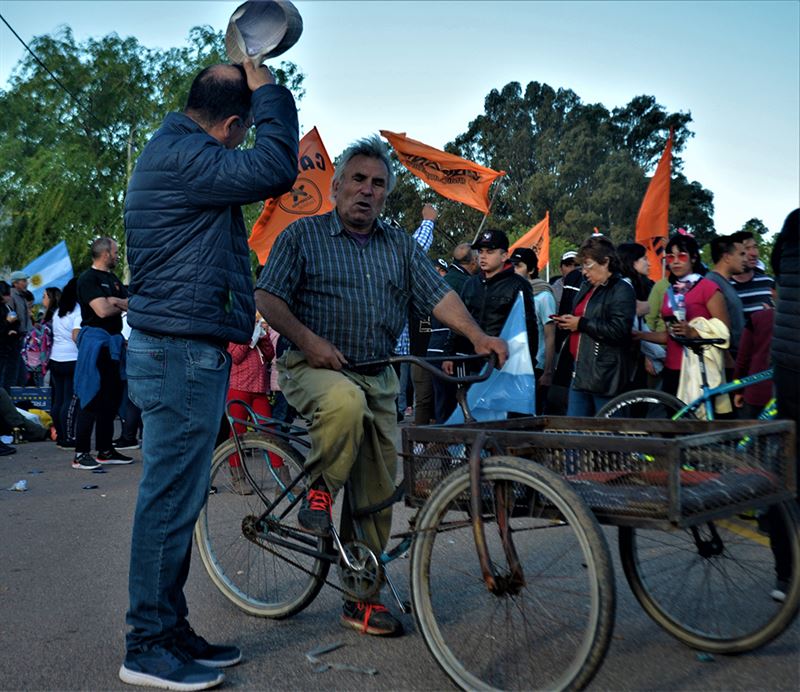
[{"x": 64, "y": 348}]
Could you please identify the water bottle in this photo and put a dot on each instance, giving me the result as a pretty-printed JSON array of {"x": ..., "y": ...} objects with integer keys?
[{"x": 680, "y": 307}]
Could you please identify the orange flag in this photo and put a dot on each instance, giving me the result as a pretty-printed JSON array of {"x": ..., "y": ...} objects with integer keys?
[
  {"x": 538, "y": 239},
  {"x": 451, "y": 176},
  {"x": 310, "y": 195},
  {"x": 652, "y": 224}
]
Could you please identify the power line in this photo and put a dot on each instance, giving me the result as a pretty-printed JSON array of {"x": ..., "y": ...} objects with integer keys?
[{"x": 55, "y": 79}]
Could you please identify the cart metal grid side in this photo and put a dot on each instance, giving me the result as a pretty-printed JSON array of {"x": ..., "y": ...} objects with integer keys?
[{"x": 657, "y": 473}]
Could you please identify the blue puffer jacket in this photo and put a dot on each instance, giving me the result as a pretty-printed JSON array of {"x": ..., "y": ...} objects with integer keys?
[{"x": 186, "y": 238}]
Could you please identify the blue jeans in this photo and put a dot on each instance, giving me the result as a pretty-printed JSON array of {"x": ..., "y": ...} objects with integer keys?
[
  {"x": 179, "y": 384},
  {"x": 585, "y": 404}
]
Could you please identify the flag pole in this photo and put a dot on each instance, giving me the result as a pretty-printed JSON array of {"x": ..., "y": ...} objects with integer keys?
[{"x": 486, "y": 215}]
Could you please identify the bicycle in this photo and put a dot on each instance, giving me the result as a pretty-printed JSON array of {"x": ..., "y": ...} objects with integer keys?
[
  {"x": 709, "y": 584},
  {"x": 510, "y": 575}
]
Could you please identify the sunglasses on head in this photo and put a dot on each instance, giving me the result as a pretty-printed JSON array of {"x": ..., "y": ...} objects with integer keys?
[{"x": 670, "y": 257}]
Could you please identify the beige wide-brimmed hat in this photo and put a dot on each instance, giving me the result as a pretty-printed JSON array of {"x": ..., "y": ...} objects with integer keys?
[{"x": 262, "y": 29}]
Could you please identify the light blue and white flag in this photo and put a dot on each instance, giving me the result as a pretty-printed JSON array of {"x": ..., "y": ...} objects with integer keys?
[
  {"x": 53, "y": 268},
  {"x": 513, "y": 387}
]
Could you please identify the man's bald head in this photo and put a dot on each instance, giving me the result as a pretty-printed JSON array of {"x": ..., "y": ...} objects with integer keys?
[{"x": 217, "y": 93}]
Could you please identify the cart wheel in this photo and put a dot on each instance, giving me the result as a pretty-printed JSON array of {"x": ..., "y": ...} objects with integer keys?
[
  {"x": 710, "y": 586},
  {"x": 548, "y": 630},
  {"x": 644, "y": 403},
  {"x": 270, "y": 581}
]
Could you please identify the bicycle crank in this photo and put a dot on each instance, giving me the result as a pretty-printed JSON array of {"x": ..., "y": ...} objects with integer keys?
[{"x": 359, "y": 570}]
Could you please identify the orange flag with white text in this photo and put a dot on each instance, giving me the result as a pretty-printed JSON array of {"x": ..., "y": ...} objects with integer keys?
[
  {"x": 310, "y": 196},
  {"x": 538, "y": 239},
  {"x": 449, "y": 175},
  {"x": 652, "y": 224}
]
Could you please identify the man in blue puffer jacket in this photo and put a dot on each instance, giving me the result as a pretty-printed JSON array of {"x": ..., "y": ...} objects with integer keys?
[{"x": 191, "y": 292}]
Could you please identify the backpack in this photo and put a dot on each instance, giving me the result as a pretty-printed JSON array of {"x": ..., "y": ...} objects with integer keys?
[{"x": 36, "y": 348}]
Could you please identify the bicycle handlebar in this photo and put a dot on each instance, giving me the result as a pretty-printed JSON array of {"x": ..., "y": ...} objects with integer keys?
[
  {"x": 428, "y": 364},
  {"x": 697, "y": 342}
]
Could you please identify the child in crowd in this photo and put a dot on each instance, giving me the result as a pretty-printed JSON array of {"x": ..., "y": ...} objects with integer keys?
[{"x": 249, "y": 382}]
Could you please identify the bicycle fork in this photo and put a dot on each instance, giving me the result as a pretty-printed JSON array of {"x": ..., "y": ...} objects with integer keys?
[{"x": 497, "y": 584}]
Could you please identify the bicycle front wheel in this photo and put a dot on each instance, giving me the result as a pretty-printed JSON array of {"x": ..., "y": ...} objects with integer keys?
[
  {"x": 550, "y": 624},
  {"x": 261, "y": 578},
  {"x": 709, "y": 586},
  {"x": 643, "y": 403}
]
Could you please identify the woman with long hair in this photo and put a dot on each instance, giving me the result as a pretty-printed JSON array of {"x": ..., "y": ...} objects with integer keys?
[
  {"x": 39, "y": 340},
  {"x": 63, "y": 356},
  {"x": 689, "y": 296},
  {"x": 635, "y": 267},
  {"x": 600, "y": 327}
]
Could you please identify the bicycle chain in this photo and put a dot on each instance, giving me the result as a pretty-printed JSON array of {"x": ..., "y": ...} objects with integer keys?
[{"x": 270, "y": 549}]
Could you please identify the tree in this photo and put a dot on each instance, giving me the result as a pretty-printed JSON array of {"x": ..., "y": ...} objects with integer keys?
[
  {"x": 757, "y": 228},
  {"x": 586, "y": 165},
  {"x": 64, "y": 161}
]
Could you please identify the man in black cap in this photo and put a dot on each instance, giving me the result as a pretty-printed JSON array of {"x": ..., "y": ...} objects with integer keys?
[{"x": 490, "y": 294}]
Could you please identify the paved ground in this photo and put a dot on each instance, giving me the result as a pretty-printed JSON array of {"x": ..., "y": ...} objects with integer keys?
[{"x": 63, "y": 594}]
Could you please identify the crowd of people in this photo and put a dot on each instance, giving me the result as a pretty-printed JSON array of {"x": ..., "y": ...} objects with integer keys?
[{"x": 339, "y": 292}]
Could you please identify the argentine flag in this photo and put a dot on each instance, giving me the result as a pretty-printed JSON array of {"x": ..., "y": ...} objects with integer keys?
[
  {"x": 513, "y": 387},
  {"x": 53, "y": 268}
]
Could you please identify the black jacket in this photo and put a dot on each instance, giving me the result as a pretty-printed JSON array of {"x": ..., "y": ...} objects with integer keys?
[
  {"x": 786, "y": 265},
  {"x": 490, "y": 301},
  {"x": 604, "y": 360},
  {"x": 456, "y": 277},
  {"x": 186, "y": 235}
]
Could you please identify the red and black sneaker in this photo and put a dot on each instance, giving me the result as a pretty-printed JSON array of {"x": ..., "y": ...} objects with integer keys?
[
  {"x": 370, "y": 618},
  {"x": 315, "y": 512}
]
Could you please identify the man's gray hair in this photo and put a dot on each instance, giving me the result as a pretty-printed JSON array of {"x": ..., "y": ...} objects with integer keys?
[
  {"x": 371, "y": 147},
  {"x": 101, "y": 245}
]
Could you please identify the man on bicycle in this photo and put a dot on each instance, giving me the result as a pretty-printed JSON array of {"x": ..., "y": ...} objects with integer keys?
[{"x": 338, "y": 288}]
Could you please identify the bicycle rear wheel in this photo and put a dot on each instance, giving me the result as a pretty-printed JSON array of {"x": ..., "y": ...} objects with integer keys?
[
  {"x": 710, "y": 586},
  {"x": 261, "y": 578},
  {"x": 643, "y": 403},
  {"x": 549, "y": 632}
]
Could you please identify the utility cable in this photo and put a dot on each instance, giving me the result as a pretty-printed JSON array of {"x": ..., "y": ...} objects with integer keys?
[{"x": 55, "y": 79}]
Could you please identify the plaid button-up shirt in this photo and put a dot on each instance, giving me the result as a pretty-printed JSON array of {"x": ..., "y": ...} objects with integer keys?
[{"x": 355, "y": 296}]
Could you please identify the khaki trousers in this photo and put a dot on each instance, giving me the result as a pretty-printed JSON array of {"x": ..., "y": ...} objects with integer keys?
[{"x": 353, "y": 430}]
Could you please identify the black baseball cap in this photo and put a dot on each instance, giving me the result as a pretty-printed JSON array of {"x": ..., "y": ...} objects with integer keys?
[
  {"x": 526, "y": 256},
  {"x": 491, "y": 240}
]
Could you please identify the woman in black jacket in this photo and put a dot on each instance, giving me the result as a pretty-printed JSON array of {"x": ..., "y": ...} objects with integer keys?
[{"x": 600, "y": 326}]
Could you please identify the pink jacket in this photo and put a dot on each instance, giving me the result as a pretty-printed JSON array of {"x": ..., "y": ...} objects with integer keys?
[{"x": 250, "y": 368}]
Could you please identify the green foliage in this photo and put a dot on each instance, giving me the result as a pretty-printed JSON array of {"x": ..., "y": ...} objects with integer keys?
[
  {"x": 64, "y": 165},
  {"x": 586, "y": 165},
  {"x": 757, "y": 228}
]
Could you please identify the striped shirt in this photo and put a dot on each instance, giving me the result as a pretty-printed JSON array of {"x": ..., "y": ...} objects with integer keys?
[
  {"x": 755, "y": 292},
  {"x": 424, "y": 236},
  {"x": 355, "y": 296}
]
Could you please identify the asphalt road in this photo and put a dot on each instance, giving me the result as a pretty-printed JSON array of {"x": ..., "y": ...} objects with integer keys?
[{"x": 63, "y": 595}]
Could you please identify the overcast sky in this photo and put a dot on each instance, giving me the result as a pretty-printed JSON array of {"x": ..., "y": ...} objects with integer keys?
[{"x": 426, "y": 67}]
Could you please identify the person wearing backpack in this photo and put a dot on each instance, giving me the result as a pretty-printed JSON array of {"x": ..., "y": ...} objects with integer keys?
[{"x": 39, "y": 340}]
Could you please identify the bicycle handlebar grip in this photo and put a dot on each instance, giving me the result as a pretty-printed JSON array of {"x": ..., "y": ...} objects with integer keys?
[{"x": 688, "y": 341}]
